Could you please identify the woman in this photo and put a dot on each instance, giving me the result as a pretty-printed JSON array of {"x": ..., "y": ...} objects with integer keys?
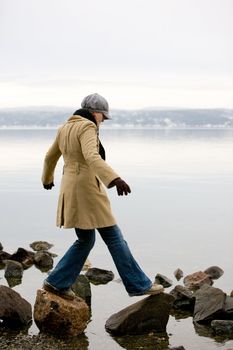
[{"x": 83, "y": 203}]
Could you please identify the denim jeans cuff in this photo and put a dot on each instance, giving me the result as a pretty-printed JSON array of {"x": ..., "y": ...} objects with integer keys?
[{"x": 140, "y": 293}]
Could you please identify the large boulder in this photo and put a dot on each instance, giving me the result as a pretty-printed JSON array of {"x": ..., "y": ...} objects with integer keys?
[
  {"x": 15, "y": 312},
  {"x": 56, "y": 315},
  {"x": 184, "y": 298},
  {"x": 99, "y": 276},
  {"x": 209, "y": 304},
  {"x": 144, "y": 316},
  {"x": 25, "y": 257}
]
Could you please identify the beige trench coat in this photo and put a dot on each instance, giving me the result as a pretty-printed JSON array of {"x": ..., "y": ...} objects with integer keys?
[{"x": 83, "y": 202}]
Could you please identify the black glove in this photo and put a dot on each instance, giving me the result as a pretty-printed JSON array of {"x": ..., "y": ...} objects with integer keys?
[
  {"x": 121, "y": 185},
  {"x": 49, "y": 186}
]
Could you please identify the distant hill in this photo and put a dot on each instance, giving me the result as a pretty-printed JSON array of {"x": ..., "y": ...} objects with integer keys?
[{"x": 147, "y": 118}]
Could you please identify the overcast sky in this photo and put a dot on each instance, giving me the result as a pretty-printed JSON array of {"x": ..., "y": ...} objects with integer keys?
[{"x": 136, "y": 53}]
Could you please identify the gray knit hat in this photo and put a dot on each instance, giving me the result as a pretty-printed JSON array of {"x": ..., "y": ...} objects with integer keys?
[{"x": 96, "y": 103}]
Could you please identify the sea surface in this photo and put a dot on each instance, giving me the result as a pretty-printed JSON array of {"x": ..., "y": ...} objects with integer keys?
[{"x": 179, "y": 214}]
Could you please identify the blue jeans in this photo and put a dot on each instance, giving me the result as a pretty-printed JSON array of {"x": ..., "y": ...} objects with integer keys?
[{"x": 70, "y": 266}]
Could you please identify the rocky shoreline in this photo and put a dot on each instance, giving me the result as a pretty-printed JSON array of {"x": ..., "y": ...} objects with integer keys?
[{"x": 144, "y": 321}]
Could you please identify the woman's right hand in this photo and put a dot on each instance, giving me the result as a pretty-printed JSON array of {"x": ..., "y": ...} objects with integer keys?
[{"x": 48, "y": 186}]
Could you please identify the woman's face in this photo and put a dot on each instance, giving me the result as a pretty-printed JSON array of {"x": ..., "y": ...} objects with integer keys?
[{"x": 99, "y": 117}]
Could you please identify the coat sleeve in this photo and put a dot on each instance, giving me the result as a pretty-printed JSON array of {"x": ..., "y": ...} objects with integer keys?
[
  {"x": 50, "y": 162},
  {"x": 89, "y": 144}
]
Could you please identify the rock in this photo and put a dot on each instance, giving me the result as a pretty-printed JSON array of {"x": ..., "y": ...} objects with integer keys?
[
  {"x": 178, "y": 273},
  {"x": 82, "y": 288},
  {"x": 43, "y": 259},
  {"x": 99, "y": 276},
  {"x": 58, "y": 316},
  {"x": 87, "y": 265},
  {"x": 231, "y": 294},
  {"x": 25, "y": 257},
  {"x": 4, "y": 256},
  {"x": 209, "y": 304},
  {"x": 41, "y": 245},
  {"x": 184, "y": 298},
  {"x": 13, "y": 269},
  {"x": 228, "y": 308},
  {"x": 15, "y": 312},
  {"x": 222, "y": 327},
  {"x": 196, "y": 280},
  {"x": 13, "y": 281},
  {"x": 1, "y": 247},
  {"x": 177, "y": 348},
  {"x": 148, "y": 314},
  {"x": 214, "y": 272},
  {"x": 161, "y": 279}
]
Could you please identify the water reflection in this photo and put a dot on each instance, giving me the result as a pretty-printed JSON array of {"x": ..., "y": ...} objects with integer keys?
[
  {"x": 21, "y": 340},
  {"x": 149, "y": 341},
  {"x": 182, "y": 195},
  {"x": 205, "y": 330}
]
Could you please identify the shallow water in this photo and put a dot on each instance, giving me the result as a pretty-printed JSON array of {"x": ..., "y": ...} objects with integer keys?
[{"x": 178, "y": 215}]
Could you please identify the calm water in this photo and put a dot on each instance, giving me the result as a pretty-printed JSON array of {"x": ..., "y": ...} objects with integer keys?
[{"x": 180, "y": 214}]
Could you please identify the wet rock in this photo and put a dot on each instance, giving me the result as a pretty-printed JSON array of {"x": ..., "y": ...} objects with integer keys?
[
  {"x": 4, "y": 256},
  {"x": 184, "y": 298},
  {"x": 99, "y": 276},
  {"x": 214, "y": 272},
  {"x": 197, "y": 279},
  {"x": 148, "y": 314},
  {"x": 13, "y": 281},
  {"x": 165, "y": 281},
  {"x": 82, "y": 288},
  {"x": 222, "y": 327},
  {"x": 13, "y": 269},
  {"x": 58, "y": 316},
  {"x": 41, "y": 245},
  {"x": 43, "y": 259},
  {"x": 15, "y": 312},
  {"x": 209, "y": 304},
  {"x": 228, "y": 308},
  {"x": 178, "y": 273},
  {"x": 1, "y": 247},
  {"x": 87, "y": 265},
  {"x": 25, "y": 257},
  {"x": 203, "y": 329}
]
